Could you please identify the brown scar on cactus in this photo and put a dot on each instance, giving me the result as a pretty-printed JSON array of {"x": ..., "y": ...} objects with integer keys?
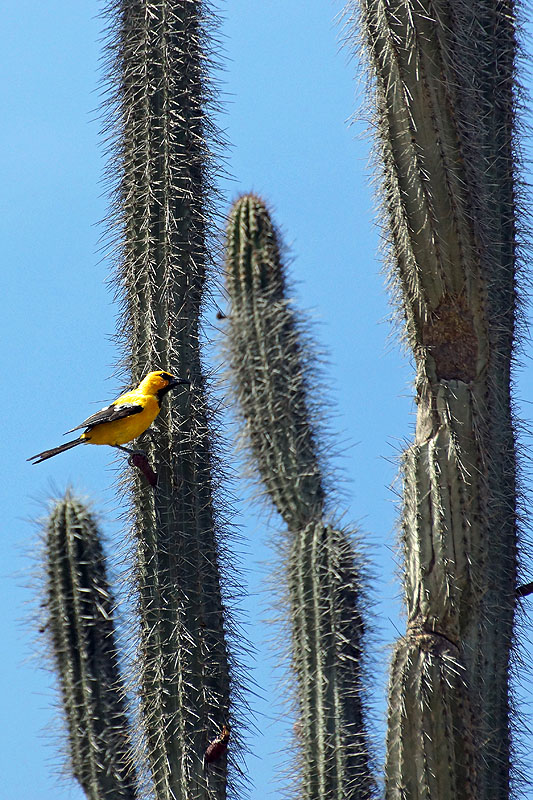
[{"x": 449, "y": 337}]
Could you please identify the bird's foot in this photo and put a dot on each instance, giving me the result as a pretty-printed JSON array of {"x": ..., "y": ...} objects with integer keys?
[
  {"x": 129, "y": 450},
  {"x": 139, "y": 459}
]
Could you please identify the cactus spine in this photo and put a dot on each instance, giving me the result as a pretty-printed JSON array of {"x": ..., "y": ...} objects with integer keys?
[
  {"x": 444, "y": 94},
  {"x": 268, "y": 362},
  {"x": 159, "y": 58},
  {"x": 79, "y": 621}
]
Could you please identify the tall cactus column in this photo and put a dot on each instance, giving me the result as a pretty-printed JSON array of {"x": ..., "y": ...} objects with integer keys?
[
  {"x": 274, "y": 385},
  {"x": 159, "y": 59},
  {"x": 444, "y": 75},
  {"x": 79, "y": 609}
]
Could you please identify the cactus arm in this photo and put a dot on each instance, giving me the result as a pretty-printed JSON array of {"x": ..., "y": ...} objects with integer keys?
[
  {"x": 323, "y": 601},
  {"x": 79, "y": 608},
  {"x": 325, "y": 606},
  {"x": 266, "y": 358}
]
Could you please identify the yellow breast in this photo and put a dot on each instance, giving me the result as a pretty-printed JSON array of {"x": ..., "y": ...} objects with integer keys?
[{"x": 121, "y": 431}]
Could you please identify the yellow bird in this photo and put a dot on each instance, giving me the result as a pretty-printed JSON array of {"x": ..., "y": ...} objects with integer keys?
[{"x": 124, "y": 419}]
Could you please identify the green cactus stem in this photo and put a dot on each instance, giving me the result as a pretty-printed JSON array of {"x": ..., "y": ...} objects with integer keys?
[
  {"x": 430, "y": 716},
  {"x": 79, "y": 610},
  {"x": 325, "y": 600},
  {"x": 162, "y": 162},
  {"x": 444, "y": 96},
  {"x": 266, "y": 354},
  {"x": 273, "y": 380}
]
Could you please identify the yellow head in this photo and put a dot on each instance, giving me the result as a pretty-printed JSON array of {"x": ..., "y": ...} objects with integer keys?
[{"x": 159, "y": 383}]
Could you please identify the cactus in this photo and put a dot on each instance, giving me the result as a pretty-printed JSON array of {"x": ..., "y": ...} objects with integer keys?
[
  {"x": 271, "y": 374},
  {"x": 444, "y": 89},
  {"x": 444, "y": 81},
  {"x": 79, "y": 611},
  {"x": 159, "y": 57}
]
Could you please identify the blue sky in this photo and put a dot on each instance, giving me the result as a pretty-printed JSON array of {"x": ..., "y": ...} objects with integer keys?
[{"x": 288, "y": 92}]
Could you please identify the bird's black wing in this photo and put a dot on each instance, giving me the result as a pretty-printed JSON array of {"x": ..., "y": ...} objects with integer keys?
[{"x": 109, "y": 414}]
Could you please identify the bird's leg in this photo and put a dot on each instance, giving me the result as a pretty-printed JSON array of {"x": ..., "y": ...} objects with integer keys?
[
  {"x": 128, "y": 450},
  {"x": 139, "y": 459}
]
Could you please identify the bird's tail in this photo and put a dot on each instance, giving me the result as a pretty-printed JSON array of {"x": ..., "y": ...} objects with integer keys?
[{"x": 54, "y": 451}]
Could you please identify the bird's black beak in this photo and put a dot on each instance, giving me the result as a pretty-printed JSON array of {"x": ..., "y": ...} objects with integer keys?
[
  {"x": 176, "y": 382},
  {"x": 171, "y": 384}
]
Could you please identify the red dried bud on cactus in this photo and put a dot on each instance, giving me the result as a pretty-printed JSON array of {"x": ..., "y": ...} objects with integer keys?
[
  {"x": 140, "y": 461},
  {"x": 217, "y": 747}
]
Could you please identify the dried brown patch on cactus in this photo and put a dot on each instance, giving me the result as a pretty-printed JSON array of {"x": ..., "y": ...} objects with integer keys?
[{"x": 450, "y": 338}]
